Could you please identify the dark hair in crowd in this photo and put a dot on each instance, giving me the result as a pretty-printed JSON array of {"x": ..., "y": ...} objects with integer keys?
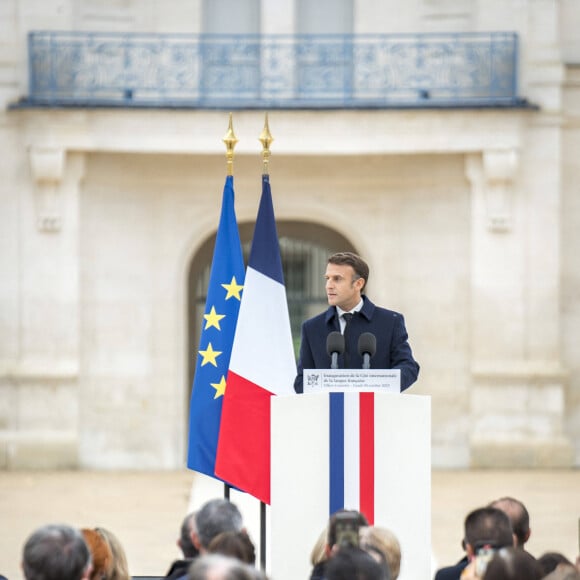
[
  {"x": 513, "y": 564},
  {"x": 488, "y": 527},
  {"x": 55, "y": 552},
  {"x": 352, "y": 563},
  {"x": 551, "y": 560},
  {"x": 185, "y": 543},
  {"x": 359, "y": 266}
]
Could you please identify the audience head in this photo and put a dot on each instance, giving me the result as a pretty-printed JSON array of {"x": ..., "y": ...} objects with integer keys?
[
  {"x": 551, "y": 560},
  {"x": 519, "y": 518},
  {"x": 185, "y": 541},
  {"x": 319, "y": 552},
  {"x": 487, "y": 528},
  {"x": 351, "y": 563},
  {"x": 513, "y": 564},
  {"x": 377, "y": 540},
  {"x": 556, "y": 566},
  {"x": 101, "y": 555},
  {"x": 235, "y": 544},
  {"x": 215, "y": 516},
  {"x": 563, "y": 572},
  {"x": 56, "y": 552},
  {"x": 220, "y": 567},
  {"x": 119, "y": 567}
]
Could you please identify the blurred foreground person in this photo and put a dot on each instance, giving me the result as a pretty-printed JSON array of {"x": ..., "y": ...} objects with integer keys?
[
  {"x": 220, "y": 567},
  {"x": 375, "y": 539},
  {"x": 101, "y": 554},
  {"x": 179, "y": 567},
  {"x": 56, "y": 552},
  {"x": 119, "y": 569},
  {"x": 350, "y": 563}
]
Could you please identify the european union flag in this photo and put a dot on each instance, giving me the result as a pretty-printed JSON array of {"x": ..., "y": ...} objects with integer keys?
[{"x": 219, "y": 324}]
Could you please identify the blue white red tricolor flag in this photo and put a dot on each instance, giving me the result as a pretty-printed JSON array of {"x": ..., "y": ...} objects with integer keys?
[
  {"x": 224, "y": 295},
  {"x": 352, "y": 453},
  {"x": 262, "y": 362}
]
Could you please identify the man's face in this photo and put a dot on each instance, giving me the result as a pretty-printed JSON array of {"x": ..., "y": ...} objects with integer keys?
[{"x": 343, "y": 288}]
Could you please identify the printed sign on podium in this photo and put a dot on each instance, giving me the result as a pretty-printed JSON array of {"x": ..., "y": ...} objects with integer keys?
[{"x": 336, "y": 380}]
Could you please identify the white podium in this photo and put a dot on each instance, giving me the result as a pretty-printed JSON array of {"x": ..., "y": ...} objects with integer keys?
[{"x": 300, "y": 478}]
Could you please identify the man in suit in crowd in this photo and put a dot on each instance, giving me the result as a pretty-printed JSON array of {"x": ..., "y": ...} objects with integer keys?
[
  {"x": 346, "y": 277},
  {"x": 486, "y": 531},
  {"x": 213, "y": 518},
  {"x": 179, "y": 567}
]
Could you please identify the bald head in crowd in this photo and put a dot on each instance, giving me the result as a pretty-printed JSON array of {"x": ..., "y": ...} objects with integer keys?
[{"x": 519, "y": 517}]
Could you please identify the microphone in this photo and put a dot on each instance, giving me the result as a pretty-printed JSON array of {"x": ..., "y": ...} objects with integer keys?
[
  {"x": 334, "y": 347},
  {"x": 367, "y": 346}
]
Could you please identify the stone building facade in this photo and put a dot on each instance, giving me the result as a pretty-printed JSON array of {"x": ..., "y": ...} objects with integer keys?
[{"x": 468, "y": 216}]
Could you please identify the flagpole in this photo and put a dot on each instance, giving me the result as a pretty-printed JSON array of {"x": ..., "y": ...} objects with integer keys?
[
  {"x": 230, "y": 141},
  {"x": 266, "y": 140}
]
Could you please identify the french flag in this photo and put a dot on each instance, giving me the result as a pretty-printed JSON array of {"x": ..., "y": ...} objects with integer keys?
[
  {"x": 262, "y": 363},
  {"x": 352, "y": 453}
]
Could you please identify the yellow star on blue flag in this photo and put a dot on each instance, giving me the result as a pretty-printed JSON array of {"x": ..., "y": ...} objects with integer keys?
[
  {"x": 217, "y": 336},
  {"x": 213, "y": 319}
]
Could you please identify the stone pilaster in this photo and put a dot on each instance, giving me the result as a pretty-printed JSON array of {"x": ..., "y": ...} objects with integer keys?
[
  {"x": 517, "y": 391},
  {"x": 43, "y": 429}
]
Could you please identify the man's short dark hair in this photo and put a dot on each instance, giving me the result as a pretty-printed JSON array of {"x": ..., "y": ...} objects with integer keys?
[
  {"x": 217, "y": 516},
  {"x": 360, "y": 267},
  {"x": 354, "y": 564},
  {"x": 55, "y": 552},
  {"x": 488, "y": 527}
]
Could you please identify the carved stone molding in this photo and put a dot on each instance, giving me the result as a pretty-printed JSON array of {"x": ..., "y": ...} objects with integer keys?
[
  {"x": 500, "y": 168},
  {"x": 47, "y": 167},
  {"x": 495, "y": 173}
]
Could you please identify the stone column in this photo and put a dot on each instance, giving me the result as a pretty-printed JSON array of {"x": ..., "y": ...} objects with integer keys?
[
  {"x": 45, "y": 376},
  {"x": 517, "y": 390}
]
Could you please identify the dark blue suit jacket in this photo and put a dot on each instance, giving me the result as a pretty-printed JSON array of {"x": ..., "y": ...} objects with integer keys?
[{"x": 393, "y": 350}]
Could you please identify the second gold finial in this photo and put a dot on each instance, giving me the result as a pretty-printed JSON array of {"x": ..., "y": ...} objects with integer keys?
[{"x": 266, "y": 140}]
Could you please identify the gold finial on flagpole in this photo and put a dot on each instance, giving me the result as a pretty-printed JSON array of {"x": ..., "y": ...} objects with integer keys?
[
  {"x": 230, "y": 140},
  {"x": 266, "y": 140}
]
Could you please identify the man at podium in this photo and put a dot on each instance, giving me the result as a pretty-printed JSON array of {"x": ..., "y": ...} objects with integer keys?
[{"x": 353, "y": 331}]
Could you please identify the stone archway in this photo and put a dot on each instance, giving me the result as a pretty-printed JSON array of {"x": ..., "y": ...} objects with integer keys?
[{"x": 304, "y": 248}]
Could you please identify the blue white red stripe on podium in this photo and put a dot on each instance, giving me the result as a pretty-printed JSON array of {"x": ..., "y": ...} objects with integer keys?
[{"x": 351, "y": 453}]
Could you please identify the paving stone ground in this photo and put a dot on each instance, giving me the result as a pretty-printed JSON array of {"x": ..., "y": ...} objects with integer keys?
[{"x": 145, "y": 509}]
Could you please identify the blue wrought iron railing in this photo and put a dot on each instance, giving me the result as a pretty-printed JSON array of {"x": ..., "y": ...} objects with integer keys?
[{"x": 273, "y": 71}]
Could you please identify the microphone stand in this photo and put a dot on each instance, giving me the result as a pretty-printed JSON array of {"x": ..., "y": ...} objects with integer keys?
[{"x": 366, "y": 360}]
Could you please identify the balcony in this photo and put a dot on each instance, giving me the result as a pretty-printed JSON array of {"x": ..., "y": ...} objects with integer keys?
[{"x": 85, "y": 69}]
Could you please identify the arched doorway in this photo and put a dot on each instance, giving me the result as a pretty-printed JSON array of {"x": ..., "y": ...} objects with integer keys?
[{"x": 304, "y": 248}]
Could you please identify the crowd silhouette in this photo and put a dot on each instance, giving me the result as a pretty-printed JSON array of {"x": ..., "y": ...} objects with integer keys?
[{"x": 216, "y": 546}]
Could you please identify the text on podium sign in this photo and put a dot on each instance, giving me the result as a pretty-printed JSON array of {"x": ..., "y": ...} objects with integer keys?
[{"x": 383, "y": 380}]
